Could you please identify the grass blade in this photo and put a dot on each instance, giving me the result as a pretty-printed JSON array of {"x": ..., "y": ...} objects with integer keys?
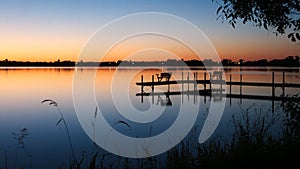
[
  {"x": 59, "y": 121},
  {"x": 123, "y": 122}
]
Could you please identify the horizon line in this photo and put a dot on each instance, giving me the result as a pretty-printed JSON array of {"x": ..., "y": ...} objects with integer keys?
[{"x": 227, "y": 59}]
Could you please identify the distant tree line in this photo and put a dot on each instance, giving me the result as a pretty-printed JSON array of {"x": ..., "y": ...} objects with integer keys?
[
  {"x": 58, "y": 63},
  {"x": 290, "y": 61}
]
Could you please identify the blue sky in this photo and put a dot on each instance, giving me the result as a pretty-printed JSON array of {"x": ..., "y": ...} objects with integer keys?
[{"x": 48, "y": 30}]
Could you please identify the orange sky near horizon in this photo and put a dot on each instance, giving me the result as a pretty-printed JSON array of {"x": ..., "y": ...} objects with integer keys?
[
  {"x": 51, "y": 48},
  {"x": 39, "y": 46},
  {"x": 35, "y": 49}
]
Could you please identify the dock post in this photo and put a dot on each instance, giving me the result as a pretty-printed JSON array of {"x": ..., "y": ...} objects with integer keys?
[
  {"x": 230, "y": 79},
  {"x": 241, "y": 81},
  {"x": 188, "y": 81},
  {"x": 283, "y": 89},
  {"x": 195, "y": 86},
  {"x": 168, "y": 85},
  {"x": 152, "y": 83},
  {"x": 182, "y": 87},
  {"x": 273, "y": 91},
  {"x": 204, "y": 87},
  {"x": 188, "y": 86},
  {"x": 142, "y": 88},
  {"x": 210, "y": 84},
  {"x": 283, "y": 84},
  {"x": 230, "y": 85},
  {"x": 182, "y": 82},
  {"x": 273, "y": 86},
  {"x": 152, "y": 89},
  {"x": 221, "y": 86},
  {"x": 204, "y": 82},
  {"x": 195, "y": 81},
  {"x": 182, "y": 90}
]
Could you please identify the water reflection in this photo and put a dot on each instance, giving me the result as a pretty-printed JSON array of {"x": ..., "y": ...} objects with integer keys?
[
  {"x": 164, "y": 102},
  {"x": 23, "y": 89}
]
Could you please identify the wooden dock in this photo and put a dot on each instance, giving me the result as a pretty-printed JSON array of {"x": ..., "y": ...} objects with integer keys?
[{"x": 216, "y": 79}]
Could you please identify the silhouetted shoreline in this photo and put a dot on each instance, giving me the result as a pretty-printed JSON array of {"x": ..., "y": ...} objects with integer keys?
[{"x": 290, "y": 61}]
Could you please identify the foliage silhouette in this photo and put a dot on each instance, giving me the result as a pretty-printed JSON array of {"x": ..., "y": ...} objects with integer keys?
[{"x": 277, "y": 16}]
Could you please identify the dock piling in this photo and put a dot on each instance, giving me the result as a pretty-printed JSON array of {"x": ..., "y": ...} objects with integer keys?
[
  {"x": 142, "y": 88},
  {"x": 195, "y": 81},
  {"x": 230, "y": 78},
  {"x": 182, "y": 80},
  {"x": 204, "y": 87},
  {"x": 210, "y": 84},
  {"x": 204, "y": 81},
  {"x": 188, "y": 81},
  {"x": 273, "y": 91},
  {"x": 273, "y": 86},
  {"x": 182, "y": 89},
  {"x": 283, "y": 84},
  {"x": 152, "y": 83},
  {"x": 241, "y": 81},
  {"x": 220, "y": 81}
]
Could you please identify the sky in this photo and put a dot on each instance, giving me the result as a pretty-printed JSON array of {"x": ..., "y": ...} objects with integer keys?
[{"x": 42, "y": 30}]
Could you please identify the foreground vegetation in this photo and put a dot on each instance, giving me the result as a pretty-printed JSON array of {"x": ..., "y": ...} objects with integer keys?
[{"x": 252, "y": 144}]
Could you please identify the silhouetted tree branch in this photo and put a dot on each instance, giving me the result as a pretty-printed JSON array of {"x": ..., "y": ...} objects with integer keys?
[{"x": 277, "y": 16}]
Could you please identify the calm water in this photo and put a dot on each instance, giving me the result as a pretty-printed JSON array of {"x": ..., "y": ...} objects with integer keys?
[{"x": 46, "y": 146}]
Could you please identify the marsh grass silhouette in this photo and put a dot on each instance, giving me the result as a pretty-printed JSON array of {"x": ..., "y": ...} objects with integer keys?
[
  {"x": 17, "y": 157},
  {"x": 19, "y": 137},
  {"x": 87, "y": 160},
  {"x": 62, "y": 119}
]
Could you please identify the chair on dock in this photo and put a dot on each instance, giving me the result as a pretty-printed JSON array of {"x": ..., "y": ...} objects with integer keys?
[{"x": 160, "y": 77}]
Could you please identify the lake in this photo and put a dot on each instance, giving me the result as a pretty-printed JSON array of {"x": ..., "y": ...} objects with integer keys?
[{"x": 23, "y": 89}]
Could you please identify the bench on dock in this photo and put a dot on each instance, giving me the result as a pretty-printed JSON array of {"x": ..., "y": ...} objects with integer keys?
[{"x": 167, "y": 76}]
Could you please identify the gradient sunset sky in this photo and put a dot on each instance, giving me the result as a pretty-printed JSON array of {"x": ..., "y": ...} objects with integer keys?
[{"x": 40, "y": 30}]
